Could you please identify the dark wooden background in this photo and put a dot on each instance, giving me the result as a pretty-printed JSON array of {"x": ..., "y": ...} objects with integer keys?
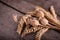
[{"x": 11, "y": 8}]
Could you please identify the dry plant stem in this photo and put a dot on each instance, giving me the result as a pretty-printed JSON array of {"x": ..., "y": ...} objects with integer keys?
[
  {"x": 29, "y": 30},
  {"x": 25, "y": 31},
  {"x": 20, "y": 26},
  {"x": 53, "y": 12},
  {"x": 52, "y": 27},
  {"x": 50, "y": 17},
  {"x": 30, "y": 13},
  {"x": 21, "y": 22},
  {"x": 40, "y": 33}
]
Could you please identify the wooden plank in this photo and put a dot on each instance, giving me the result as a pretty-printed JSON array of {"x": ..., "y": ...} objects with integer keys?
[
  {"x": 20, "y": 5},
  {"x": 51, "y": 35},
  {"x": 26, "y": 6},
  {"x": 8, "y": 23}
]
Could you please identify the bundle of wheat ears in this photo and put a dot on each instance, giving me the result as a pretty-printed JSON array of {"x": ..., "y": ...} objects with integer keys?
[{"x": 38, "y": 20}]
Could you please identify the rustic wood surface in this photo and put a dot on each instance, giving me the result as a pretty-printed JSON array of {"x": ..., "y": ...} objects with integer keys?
[
  {"x": 8, "y": 24},
  {"x": 27, "y": 4}
]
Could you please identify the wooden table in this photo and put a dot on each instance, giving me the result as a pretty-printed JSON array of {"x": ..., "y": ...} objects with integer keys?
[{"x": 10, "y": 9}]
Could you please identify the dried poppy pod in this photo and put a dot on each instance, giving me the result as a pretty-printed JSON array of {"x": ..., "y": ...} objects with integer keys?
[
  {"x": 39, "y": 14},
  {"x": 49, "y": 16},
  {"x": 44, "y": 21},
  {"x": 34, "y": 22}
]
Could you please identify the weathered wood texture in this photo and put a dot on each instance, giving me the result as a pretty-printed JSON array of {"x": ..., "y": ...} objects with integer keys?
[
  {"x": 22, "y": 5},
  {"x": 51, "y": 35},
  {"x": 8, "y": 24}
]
